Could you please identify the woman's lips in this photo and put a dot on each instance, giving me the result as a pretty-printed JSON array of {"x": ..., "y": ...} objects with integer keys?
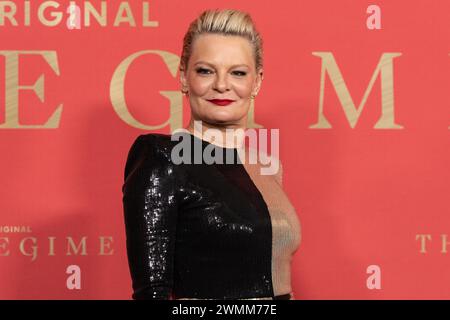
[{"x": 221, "y": 102}]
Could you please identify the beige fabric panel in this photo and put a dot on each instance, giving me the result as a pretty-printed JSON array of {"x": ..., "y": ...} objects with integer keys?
[{"x": 286, "y": 231}]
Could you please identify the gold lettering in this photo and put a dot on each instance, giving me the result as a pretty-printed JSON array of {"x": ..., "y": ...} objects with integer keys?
[
  {"x": 117, "y": 92},
  {"x": 124, "y": 7},
  {"x": 444, "y": 243},
  {"x": 51, "y": 244},
  {"x": 34, "y": 248},
  {"x": 423, "y": 238},
  {"x": 384, "y": 68},
  {"x": 145, "y": 17},
  {"x": 71, "y": 244},
  {"x": 4, "y": 242},
  {"x": 12, "y": 88},
  {"x": 56, "y": 15},
  {"x": 8, "y": 14},
  {"x": 90, "y": 10},
  {"x": 27, "y": 14},
  {"x": 106, "y": 244}
]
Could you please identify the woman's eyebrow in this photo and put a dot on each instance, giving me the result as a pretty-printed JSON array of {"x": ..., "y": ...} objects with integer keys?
[{"x": 212, "y": 65}]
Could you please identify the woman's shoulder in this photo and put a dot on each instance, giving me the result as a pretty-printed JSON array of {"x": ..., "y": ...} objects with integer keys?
[
  {"x": 151, "y": 150},
  {"x": 153, "y": 140},
  {"x": 154, "y": 144}
]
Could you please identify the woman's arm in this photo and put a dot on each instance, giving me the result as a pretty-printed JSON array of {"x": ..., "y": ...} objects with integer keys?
[{"x": 150, "y": 212}]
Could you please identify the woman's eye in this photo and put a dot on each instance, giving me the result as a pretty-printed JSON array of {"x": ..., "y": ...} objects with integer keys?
[
  {"x": 202, "y": 71},
  {"x": 240, "y": 73},
  {"x": 207, "y": 71}
]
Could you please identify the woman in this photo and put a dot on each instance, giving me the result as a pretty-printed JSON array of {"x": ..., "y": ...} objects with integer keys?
[{"x": 209, "y": 231}]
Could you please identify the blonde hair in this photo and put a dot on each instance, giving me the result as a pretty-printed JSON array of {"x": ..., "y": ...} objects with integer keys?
[{"x": 224, "y": 22}]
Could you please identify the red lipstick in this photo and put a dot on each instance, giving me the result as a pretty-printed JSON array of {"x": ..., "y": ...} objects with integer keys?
[{"x": 221, "y": 102}]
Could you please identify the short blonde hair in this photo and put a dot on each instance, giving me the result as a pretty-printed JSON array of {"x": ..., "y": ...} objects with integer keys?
[{"x": 225, "y": 22}]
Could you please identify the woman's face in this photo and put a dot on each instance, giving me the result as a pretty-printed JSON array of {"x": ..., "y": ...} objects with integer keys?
[{"x": 221, "y": 67}]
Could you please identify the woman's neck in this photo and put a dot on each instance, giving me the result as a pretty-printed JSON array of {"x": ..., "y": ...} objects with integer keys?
[{"x": 226, "y": 137}]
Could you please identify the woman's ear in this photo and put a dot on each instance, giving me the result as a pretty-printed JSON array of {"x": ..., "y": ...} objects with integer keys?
[
  {"x": 183, "y": 80},
  {"x": 259, "y": 79}
]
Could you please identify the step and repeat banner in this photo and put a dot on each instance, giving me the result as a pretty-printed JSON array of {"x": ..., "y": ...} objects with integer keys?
[{"x": 360, "y": 93}]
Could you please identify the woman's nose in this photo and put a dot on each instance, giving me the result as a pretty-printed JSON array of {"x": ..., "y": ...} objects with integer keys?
[{"x": 221, "y": 83}]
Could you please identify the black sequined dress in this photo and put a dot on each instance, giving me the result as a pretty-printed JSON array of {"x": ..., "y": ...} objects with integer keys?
[{"x": 205, "y": 231}]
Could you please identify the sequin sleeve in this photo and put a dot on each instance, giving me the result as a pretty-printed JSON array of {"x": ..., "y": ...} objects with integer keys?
[{"x": 150, "y": 213}]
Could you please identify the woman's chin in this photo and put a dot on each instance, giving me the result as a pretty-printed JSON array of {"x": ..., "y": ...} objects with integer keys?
[{"x": 222, "y": 116}]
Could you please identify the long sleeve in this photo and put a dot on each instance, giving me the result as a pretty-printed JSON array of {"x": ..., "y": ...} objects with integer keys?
[{"x": 150, "y": 213}]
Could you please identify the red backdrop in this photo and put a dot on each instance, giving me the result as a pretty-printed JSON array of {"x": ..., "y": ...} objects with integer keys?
[{"x": 365, "y": 163}]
